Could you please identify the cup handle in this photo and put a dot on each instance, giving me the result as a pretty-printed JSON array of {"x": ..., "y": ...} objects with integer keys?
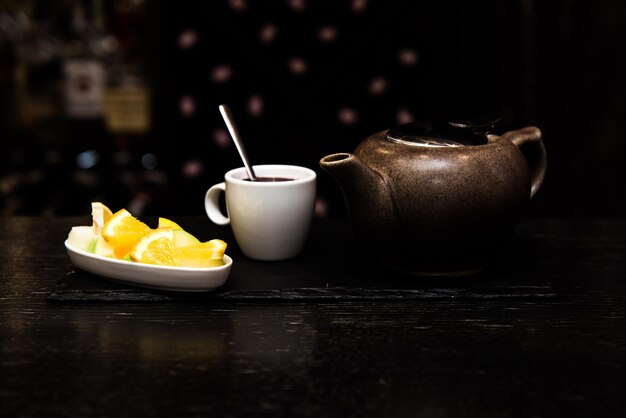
[{"x": 211, "y": 204}]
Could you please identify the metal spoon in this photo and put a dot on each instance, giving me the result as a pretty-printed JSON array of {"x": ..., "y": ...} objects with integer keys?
[{"x": 232, "y": 128}]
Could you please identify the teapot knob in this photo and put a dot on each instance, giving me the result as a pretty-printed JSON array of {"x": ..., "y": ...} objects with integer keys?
[{"x": 482, "y": 123}]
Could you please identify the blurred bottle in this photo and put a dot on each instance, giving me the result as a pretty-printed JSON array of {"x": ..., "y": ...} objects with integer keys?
[
  {"x": 37, "y": 68},
  {"x": 127, "y": 94},
  {"x": 84, "y": 57}
]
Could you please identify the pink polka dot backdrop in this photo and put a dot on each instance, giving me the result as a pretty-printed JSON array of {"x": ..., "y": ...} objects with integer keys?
[{"x": 306, "y": 78}]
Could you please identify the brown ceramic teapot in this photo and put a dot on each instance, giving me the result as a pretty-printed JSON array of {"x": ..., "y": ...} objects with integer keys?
[{"x": 441, "y": 199}]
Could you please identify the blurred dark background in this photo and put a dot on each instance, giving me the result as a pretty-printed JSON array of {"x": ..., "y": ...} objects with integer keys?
[{"x": 116, "y": 101}]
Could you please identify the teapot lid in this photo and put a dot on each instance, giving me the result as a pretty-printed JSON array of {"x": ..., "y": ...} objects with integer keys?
[{"x": 448, "y": 134}]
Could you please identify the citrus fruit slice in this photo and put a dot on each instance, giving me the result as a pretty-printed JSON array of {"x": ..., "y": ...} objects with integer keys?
[
  {"x": 100, "y": 214},
  {"x": 156, "y": 247},
  {"x": 182, "y": 238},
  {"x": 166, "y": 223},
  {"x": 206, "y": 254},
  {"x": 123, "y": 231}
]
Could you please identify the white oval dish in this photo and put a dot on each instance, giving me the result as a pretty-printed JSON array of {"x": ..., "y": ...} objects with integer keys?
[{"x": 181, "y": 279}]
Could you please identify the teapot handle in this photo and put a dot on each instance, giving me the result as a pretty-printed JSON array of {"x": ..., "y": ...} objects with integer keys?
[{"x": 529, "y": 142}]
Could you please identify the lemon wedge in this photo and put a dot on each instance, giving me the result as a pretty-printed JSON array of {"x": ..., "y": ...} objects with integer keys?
[
  {"x": 166, "y": 223},
  {"x": 206, "y": 254},
  {"x": 182, "y": 238}
]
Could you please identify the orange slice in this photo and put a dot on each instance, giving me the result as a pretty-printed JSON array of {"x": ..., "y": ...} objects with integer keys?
[
  {"x": 206, "y": 254},
  {"x": 123, "y": 231},
  {"x": 156, "y": 247}
]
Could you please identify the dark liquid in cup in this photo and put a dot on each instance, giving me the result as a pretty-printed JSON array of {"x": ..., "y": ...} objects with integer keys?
[{"x": 271, "y": 179}]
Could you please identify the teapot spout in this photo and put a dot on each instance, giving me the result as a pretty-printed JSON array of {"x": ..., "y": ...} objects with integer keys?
[{"x": 367, "y": 195}]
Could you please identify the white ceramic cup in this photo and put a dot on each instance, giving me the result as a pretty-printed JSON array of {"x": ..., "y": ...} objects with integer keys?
[{"x": 270, "y": 220}]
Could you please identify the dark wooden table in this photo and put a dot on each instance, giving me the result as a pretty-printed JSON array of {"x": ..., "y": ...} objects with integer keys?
[{"x": 540, "y": 334}]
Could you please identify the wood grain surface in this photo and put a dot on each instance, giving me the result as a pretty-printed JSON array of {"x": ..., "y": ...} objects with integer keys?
[{"x": 541, "y": 334}]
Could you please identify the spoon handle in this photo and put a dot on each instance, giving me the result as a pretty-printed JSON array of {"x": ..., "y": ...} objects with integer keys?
[{"x": 232, "y": 128}]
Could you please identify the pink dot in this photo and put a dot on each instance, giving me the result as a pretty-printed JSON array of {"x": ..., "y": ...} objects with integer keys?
[
  {"x": 298, "y": 66},
  {"x": 187, "y": 106},
  {"x": 408, "y": 57},
  {"x": 221, "y": 73},
  {"x": 221, "y": 138},
  {"x": 403, "y": 116},
  {"x": 238, "y": 5},
  {"x": 297, "y": 5},
  {"x": 327, "y": 34},
  {"x": 192, "y": 168},
  {"x": 358, "y": 6},
  {"x": 321, "y": 207},
  {"x": 347, "y": 116},
  {"x": 187, "y": 38},
  {"x": 378, "y": 86},
  {"x": 268, "y": 33},
  {"x": 255, "y": 105}
]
